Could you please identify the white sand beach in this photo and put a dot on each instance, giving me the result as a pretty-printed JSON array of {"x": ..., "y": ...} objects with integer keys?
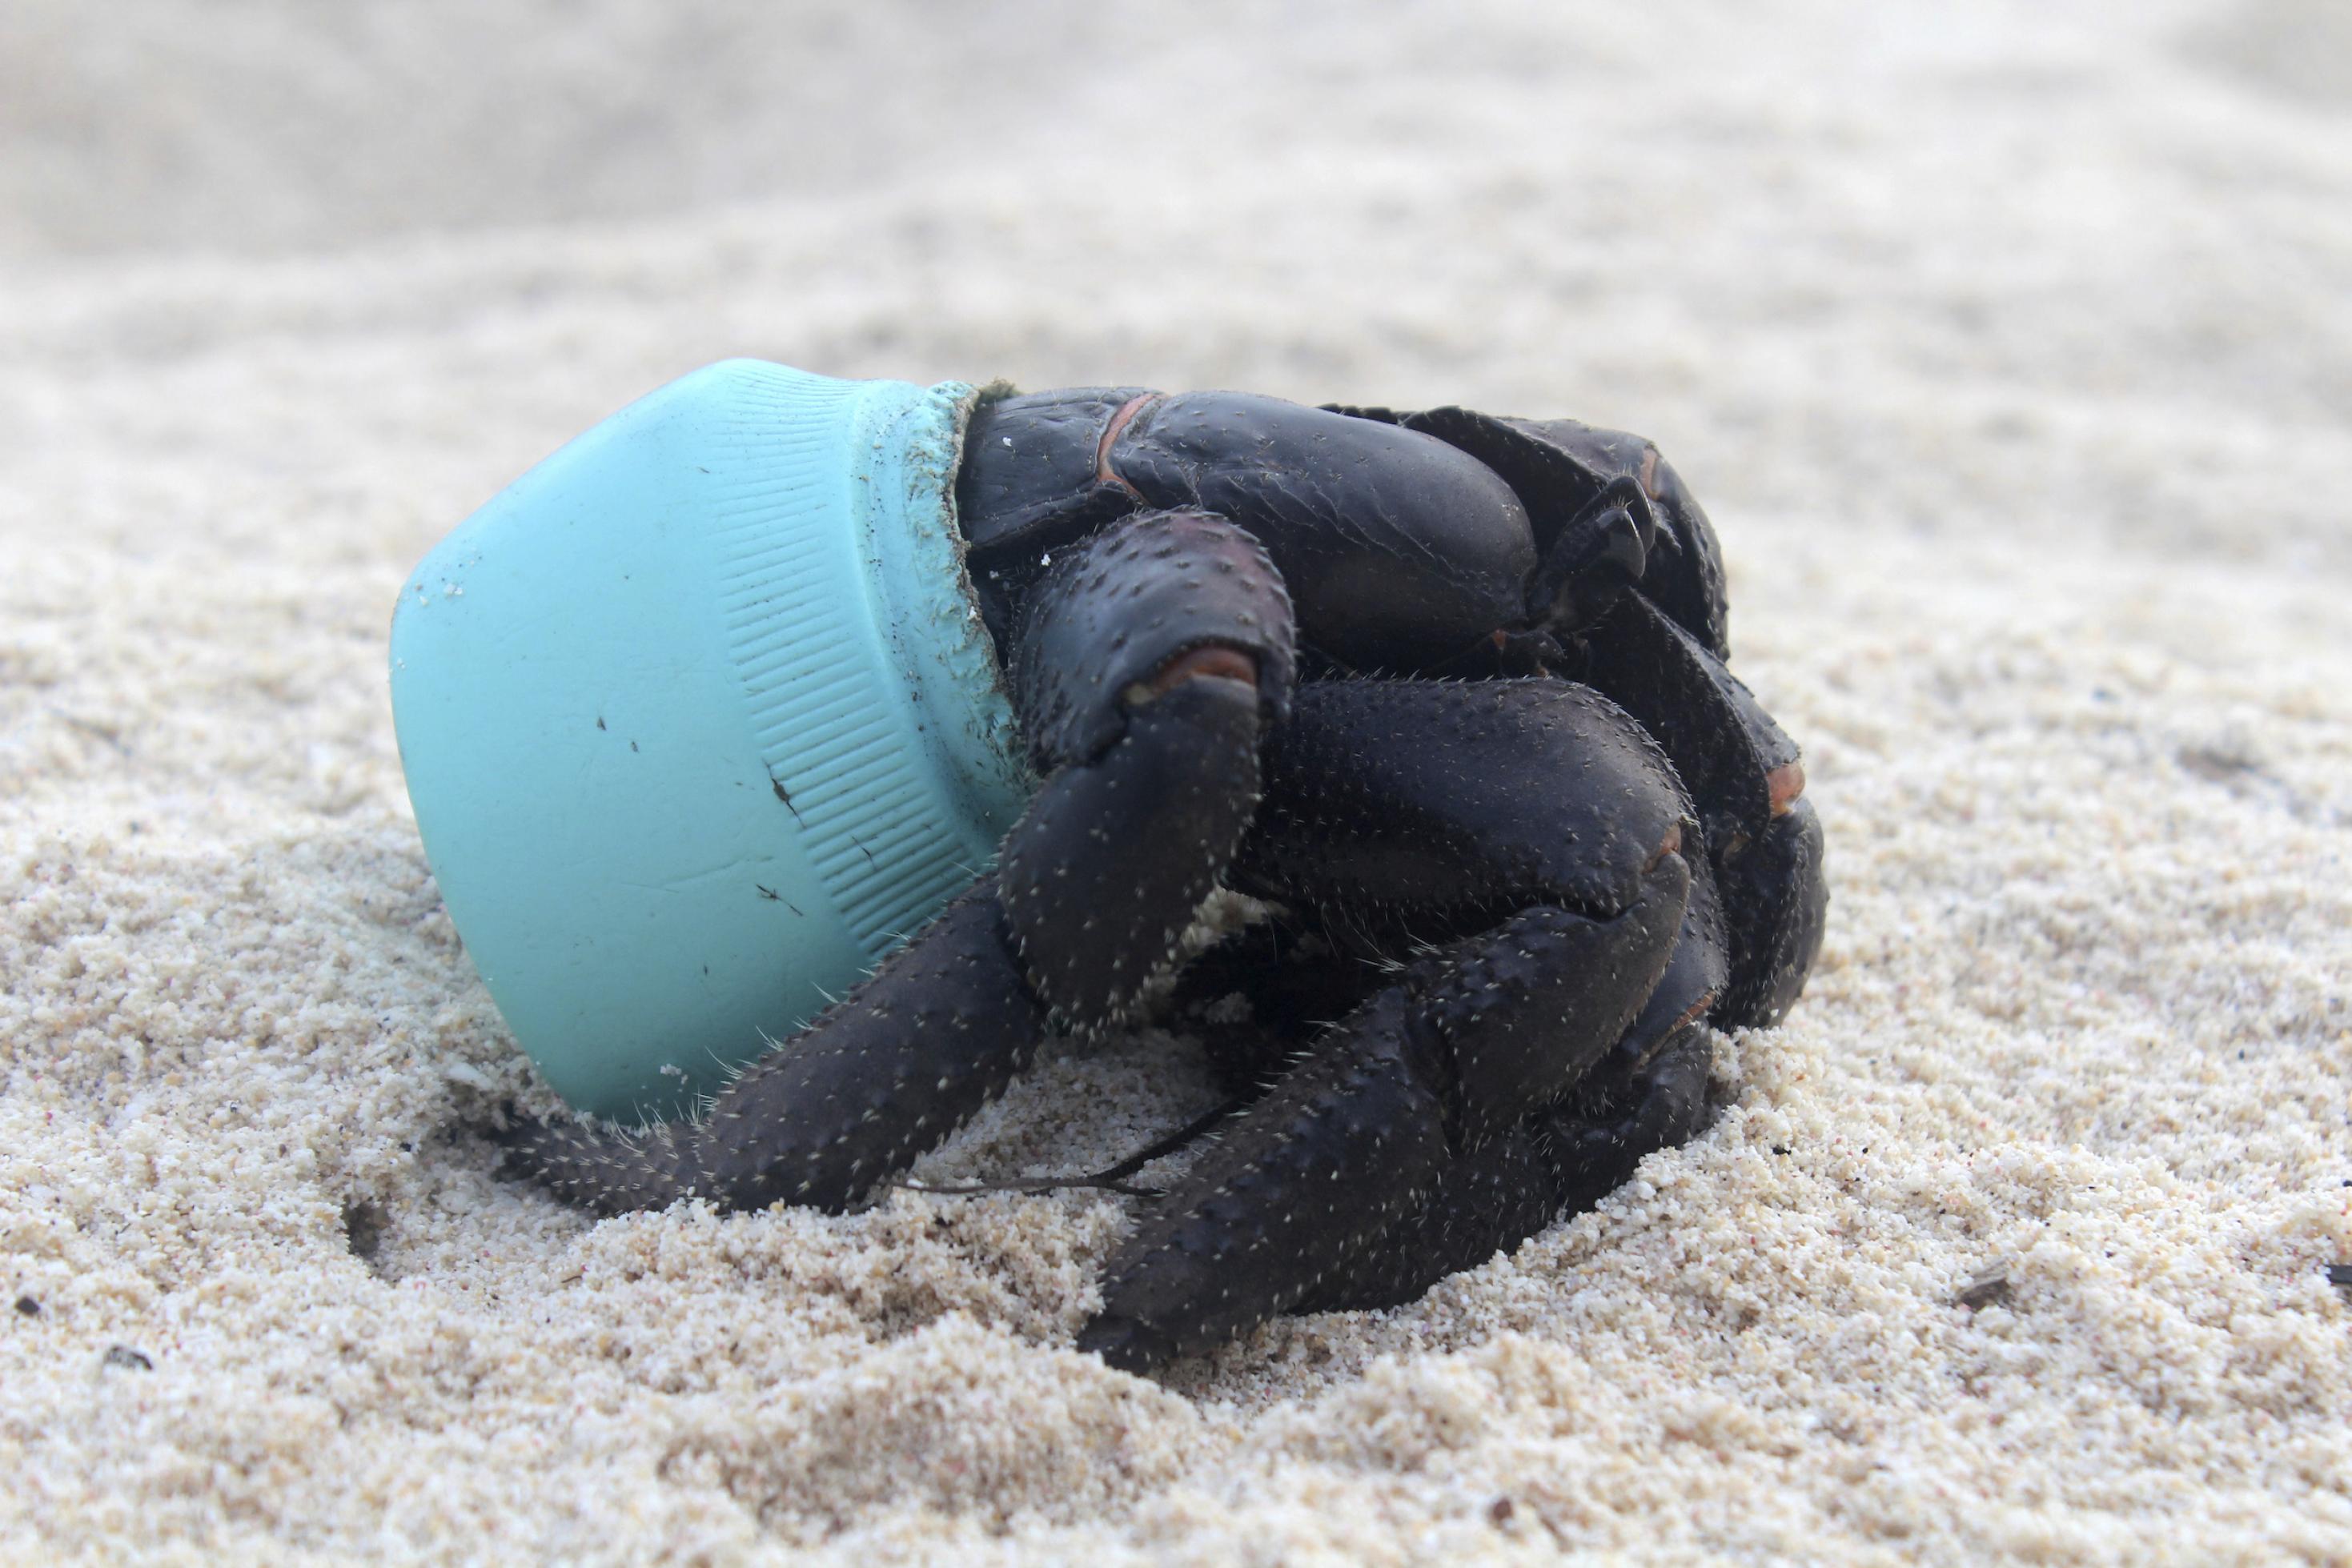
[{"x": 2010, "y": 346}]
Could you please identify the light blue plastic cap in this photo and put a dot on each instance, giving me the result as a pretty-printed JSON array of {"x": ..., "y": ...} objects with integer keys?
[{"x": 700, "y": 720}]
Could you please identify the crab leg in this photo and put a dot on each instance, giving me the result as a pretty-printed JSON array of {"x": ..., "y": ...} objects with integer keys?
[
  {"x": 1590, "y": 1151},
  {"x": 1537, "y": 800},
  {"x": 1488, "y": 1200},
  {"x": 1647, "y": 1093},
  {"x": 1762, "y": 837},
  {"x": 1427, "y": 1074},
  {"x": 904, "y": 1059},
  {"x": 1147, "y": 664},
  {"x": 1561, "y": 1161}
]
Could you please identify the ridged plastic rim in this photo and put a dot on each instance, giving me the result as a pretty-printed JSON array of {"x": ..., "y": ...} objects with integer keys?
[{"x": 699, "y": 718}]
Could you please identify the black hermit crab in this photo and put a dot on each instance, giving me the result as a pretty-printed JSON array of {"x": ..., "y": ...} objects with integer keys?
[{"x": 1446, "y": 692}]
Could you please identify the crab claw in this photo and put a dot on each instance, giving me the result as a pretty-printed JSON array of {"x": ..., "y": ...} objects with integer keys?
[{"x": 1150, "y": 661}]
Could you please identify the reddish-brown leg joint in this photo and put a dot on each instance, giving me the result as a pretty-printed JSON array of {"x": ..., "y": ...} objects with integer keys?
[{"x": 1212, "y": 663}]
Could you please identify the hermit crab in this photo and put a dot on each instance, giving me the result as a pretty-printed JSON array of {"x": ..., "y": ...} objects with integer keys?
[{"x": 1446, "y": 694}]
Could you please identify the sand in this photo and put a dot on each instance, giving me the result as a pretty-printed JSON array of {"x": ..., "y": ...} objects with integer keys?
[{"x": 2011, "y": 348}]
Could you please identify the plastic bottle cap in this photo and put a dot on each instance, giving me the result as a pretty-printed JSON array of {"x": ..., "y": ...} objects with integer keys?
[{"x": 699, "y": 720}]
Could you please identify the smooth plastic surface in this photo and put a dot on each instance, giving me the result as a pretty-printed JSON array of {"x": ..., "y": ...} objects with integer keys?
[{"x": 699, "y": 719}]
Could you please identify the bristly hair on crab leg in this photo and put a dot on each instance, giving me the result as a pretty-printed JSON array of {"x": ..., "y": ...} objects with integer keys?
[
  {"x": 1148, "y": 662},
  {"x": 1449, "y": 693}
]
